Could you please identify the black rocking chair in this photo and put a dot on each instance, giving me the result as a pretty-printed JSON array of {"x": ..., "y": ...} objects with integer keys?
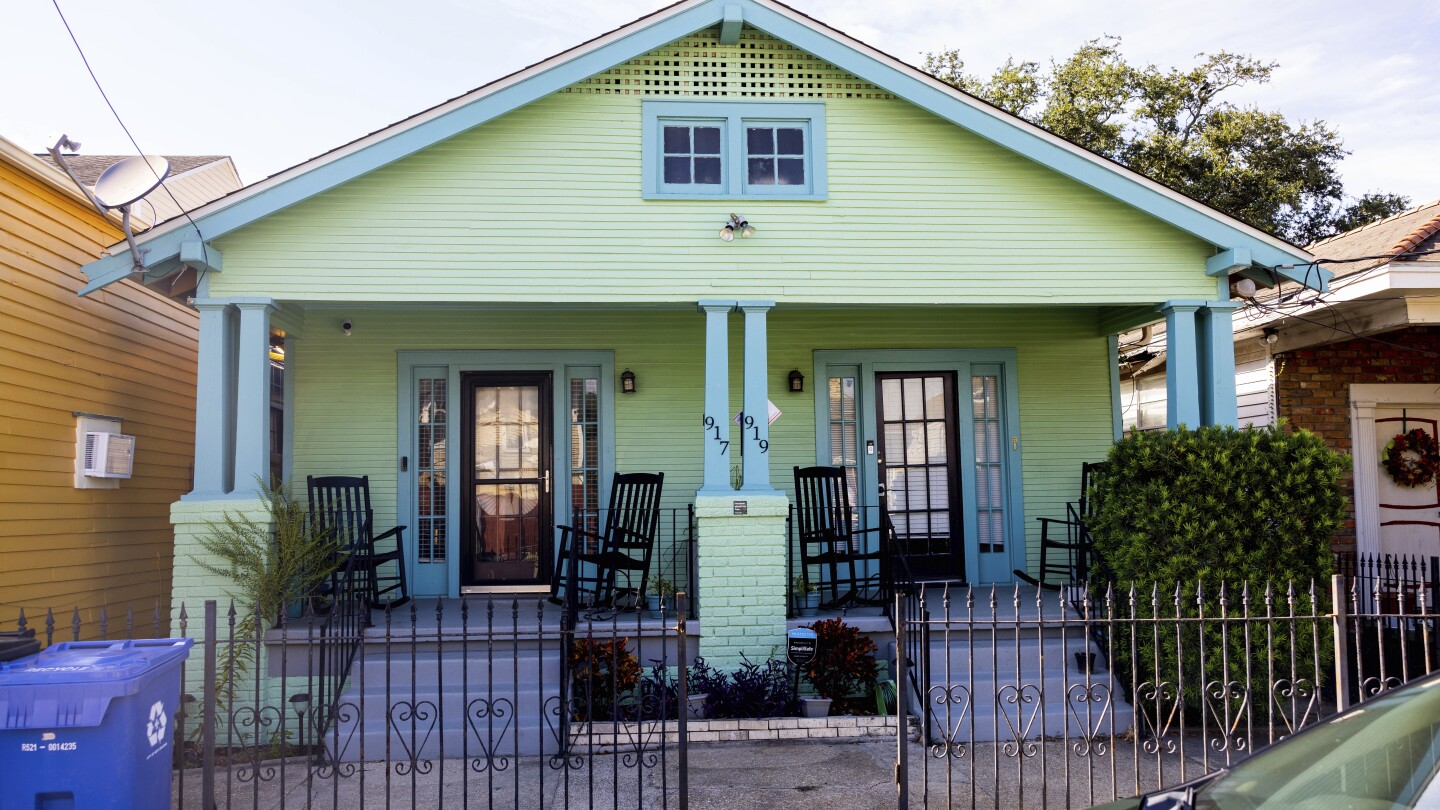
[
  {"x": 1066, "y": 546},
  {"x": 850, "y": 572},
  {"x": 341, "y": 503},
  {"x": 593, "y": 563}
]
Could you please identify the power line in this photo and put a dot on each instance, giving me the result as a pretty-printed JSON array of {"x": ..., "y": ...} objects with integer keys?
[
  {"x": 1352, "y": 333},
  {"x": 171, "y": 194}
]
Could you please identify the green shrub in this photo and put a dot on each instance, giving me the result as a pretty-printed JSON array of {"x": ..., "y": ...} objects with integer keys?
[{"x": 1192, "y": 509}]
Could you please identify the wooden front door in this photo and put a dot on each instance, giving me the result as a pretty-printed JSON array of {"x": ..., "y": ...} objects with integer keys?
[
  {"x": 919, "y": 463},
  {"x": 506, "y": 507}
]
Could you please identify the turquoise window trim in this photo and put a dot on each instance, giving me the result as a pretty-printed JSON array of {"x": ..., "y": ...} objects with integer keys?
[
  {"x": 690, "y": 189},
  {"x": 562, "y": 364},
  {"x": 732, "y": 116},
  {"x": 959, "y": 361}
]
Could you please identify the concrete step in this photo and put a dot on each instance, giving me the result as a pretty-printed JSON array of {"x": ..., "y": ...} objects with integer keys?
[
  {"x": 433, "y": 668},
  {"x": 1028, "y": 688},
  {"x": 431, "y": 723}
]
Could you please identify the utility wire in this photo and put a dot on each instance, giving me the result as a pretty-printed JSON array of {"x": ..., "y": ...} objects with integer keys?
[{"x": 204, "y": 250}]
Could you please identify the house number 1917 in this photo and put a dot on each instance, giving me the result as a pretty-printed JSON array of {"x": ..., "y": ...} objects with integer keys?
[{"x": 709, "y": 422}]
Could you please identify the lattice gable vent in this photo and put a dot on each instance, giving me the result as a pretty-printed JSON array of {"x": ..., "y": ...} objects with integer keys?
[{"x": 759, "y": 66}]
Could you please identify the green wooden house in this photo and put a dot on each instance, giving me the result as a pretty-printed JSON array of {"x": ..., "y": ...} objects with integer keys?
[{"x": 926, "y": 290}]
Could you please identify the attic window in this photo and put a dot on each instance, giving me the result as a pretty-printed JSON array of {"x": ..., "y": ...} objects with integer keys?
[{"x": 733, "y": 150}]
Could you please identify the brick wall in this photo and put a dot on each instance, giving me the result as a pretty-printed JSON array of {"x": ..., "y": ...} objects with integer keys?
[
  {"x": 1313, "y": 387},
  {"x": 741, "y": 562}
]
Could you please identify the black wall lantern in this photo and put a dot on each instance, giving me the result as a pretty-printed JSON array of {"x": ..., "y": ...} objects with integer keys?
[
  {"x": 797, "y": 381},
  {"x": 627, "y": 382}
]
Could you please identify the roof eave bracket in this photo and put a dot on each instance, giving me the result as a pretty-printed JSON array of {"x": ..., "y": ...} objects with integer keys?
[{"x": 731, "y": 24}]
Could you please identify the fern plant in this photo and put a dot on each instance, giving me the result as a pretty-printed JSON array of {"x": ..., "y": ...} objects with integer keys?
[{"x": 270, "y": 564}]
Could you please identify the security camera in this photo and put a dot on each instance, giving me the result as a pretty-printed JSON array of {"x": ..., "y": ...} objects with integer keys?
[{"x": 347, "y": 326}]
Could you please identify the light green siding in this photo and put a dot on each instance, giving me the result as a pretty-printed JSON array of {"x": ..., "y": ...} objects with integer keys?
[
  {"x": 544, "y": 204},
  {"x": 346, "y": 399}
]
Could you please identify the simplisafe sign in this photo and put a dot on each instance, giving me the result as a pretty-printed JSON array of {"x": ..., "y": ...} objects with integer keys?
[{"x": 801, "y": 649}]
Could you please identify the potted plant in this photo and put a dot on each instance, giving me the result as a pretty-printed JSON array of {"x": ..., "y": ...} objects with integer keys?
[
  {"x": 815, "y": 707},
  {"x": 660, "y": 596},
  {"x": 806, "y": 596}
]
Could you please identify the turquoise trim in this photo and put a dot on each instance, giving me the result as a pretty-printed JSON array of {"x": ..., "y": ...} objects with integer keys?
[
  {"x": 715, "y": 422},
  {"x": 1117, "y": 410},
  {"x": 201, "y": 257},
  {"x": 563, "y": 364},
  {"x": 1182, "y": 370},
  {"x": 652, "y": 35},
  {"x": 731, "y": 117},
  {"x": 658, "y": 30},
  {"x": 1227, "y": 262},
  {"x": 252, "y": 396},
  {"x": 962, "y": 362},
  {"x": 1012, "y": 134},
  {"x": 1218, "y": 405},
  {"x": 755, "y": 435},
  {"x": 213, "y": 388},
  {"x": 731, "y": 24}
]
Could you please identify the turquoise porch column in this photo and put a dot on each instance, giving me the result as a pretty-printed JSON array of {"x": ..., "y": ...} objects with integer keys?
[
  {"x": 755, "y": 427},
  {"x": 1217, "y": 365},
  {"x": 739, "y": 535},
  {"x": 252, "y": 395},
  {"x": 716, "y": 421},
  {"x": 214, "y": 390},
  {"x": 1182, "y": 371}
]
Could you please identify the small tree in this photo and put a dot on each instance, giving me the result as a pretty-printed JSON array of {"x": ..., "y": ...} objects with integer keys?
[{"x": 1186, "y": 511}]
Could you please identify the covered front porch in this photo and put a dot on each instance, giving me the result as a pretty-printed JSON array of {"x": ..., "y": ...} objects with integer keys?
[{"x": 973, "y": 421}]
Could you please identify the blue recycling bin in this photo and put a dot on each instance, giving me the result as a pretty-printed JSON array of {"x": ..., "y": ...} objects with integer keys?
[{"x": 90, "y": 724}]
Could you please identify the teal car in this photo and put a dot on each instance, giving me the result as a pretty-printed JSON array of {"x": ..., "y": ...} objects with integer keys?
[{"x": 1379, "y": 755}]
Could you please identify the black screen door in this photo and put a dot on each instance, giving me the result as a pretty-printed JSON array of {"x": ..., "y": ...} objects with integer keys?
[
  {"x": 506, "y": 501},
  {"x": 916, "y": 420}
]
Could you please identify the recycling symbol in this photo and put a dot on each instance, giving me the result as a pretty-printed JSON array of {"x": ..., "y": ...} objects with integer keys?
[{"x": 155, "y": 728}]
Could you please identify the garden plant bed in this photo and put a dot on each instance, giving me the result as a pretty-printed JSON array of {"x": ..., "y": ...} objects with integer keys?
[{"x": 606, "y": 737}]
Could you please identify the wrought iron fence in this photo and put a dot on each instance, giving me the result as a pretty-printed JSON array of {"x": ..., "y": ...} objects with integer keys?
[
  {"x": 489, "y": 701},
  {"x": 1037, "y": 698}
]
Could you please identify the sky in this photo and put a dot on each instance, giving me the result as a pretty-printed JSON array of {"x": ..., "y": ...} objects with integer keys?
[{"x": 272, "y": 83}]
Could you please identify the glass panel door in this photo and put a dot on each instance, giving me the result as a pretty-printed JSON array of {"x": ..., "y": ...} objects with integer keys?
[
  {"x": 915, "y": 421},
  {"x": 508, "y": 521}
]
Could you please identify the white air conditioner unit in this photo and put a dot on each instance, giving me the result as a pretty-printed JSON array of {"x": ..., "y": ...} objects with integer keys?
[{"x": 109, "y": 455}]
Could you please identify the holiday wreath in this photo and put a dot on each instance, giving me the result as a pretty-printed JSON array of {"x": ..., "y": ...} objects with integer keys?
[{"x": 1412, "y": 458}]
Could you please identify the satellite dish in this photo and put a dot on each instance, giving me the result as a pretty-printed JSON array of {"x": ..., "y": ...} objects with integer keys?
[
  {"x": 119, "y": 187},
  {"x": 130, "y": 180}
]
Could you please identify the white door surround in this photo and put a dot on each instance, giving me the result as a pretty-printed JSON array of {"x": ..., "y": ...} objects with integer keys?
[{"x": 1364, "y": 399}]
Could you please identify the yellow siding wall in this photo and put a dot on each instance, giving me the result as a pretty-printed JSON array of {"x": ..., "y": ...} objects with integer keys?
[{"x": 123, "y": 352}]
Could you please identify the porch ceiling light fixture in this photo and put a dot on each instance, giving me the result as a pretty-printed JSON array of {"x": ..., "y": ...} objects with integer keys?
[
  {"x": 797, "y": 381},
  {"x": 627, "y": 382},
  {"x": 1268, "y": 336},
  {"x": 736, "y": 223}
]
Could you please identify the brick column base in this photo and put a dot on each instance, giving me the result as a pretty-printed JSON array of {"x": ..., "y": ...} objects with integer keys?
[{"x": 741, "y": 560}]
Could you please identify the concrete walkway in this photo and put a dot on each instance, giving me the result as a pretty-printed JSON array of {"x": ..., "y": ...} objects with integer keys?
[{"x": 741, "y": 775}]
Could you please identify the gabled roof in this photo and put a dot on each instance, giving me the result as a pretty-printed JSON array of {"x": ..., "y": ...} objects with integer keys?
[
  {"x": 1241, "y": 245},
  {"x": 1390, "y": 238},
  {"x": 87, "y": 168}
]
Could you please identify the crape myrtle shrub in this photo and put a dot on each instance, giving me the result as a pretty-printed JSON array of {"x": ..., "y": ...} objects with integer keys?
[{"x": 1184, "y": 511}]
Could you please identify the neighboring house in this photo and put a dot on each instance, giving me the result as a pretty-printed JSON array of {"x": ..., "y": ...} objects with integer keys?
[
  {"x": 948, "y": 279},
  {"x": 1356, "y": 365},
  {"x": 120, "y": 362},
  {"x": 1362, "y": 363}
]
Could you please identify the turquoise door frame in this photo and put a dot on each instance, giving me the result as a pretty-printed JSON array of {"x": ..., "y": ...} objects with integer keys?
[
  {"x": 979, "y": 568},
  {"x": 442, "y": 578}
]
